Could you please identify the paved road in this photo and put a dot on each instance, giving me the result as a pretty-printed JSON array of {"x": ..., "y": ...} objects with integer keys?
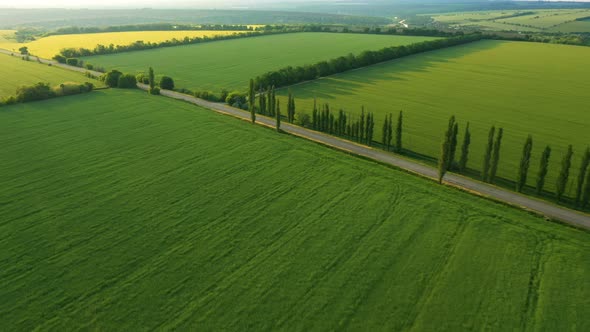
[
  {"x": 528, "y": 203},
  {"x": 546, "y": 209}
]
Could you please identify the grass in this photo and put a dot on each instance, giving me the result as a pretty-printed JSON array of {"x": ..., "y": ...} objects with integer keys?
[
  {"x": 131, "y": 212},
  {"x": 575, "y": 26},
  {"x": 230, "y": 64},
  {"x": 16, "y": 72},
  {"x": 47, "y": 47},
  {"x": 526, "y": 88},
  {"x": 553, "y": 20}
]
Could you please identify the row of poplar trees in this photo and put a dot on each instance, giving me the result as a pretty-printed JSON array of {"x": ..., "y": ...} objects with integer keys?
[
  {"x": 268, "y": 104},
  {"x": 491, "y": 159}
]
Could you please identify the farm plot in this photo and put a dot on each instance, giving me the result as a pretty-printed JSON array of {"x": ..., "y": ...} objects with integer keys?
[
  {"x": 47, "y": 47},
  {"x": 230, "y": 64},
  {"x": 123, "y": 211},
  {"x": 15, "y": 72},
  {"x": 526, "y": 88}
]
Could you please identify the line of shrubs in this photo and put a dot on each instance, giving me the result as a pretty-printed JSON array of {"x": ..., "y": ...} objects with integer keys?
[{"x": 42, "y": 91}]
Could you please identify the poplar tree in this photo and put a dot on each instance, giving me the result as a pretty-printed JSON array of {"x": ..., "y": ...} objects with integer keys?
[
  {"x": 582, "y": 175},
  {"x": 389, "y": 131},
  {"x": 385, "y": 132},
  {"x": 445, "y": 151},
  {"x": 278, "y": 110},
  {"x": 362, "y": 125},
  {"x": 453, "y": 145},
  {"x": 564, "y": 173},
  {"x": 269, "y": 102},
  {"x": 314, "y": 115},
  {"x": 261, "y": 102},
  {"x": 488, "y": 154},
  {"x": 525, "y": 161},
  {"x": 496, "y": 156},
  {"x": 543, "y": 168},
  {"x": 152, "y": 80},
  {"x": 370, "y": 128},
  {"x": 586, "y": 197},
  {"x": 398, "y": 133},
  {"x": 251, "y": 95},
  {"x": 465, "y": 149}
]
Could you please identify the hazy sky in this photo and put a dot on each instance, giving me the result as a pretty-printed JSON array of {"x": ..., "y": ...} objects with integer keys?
[{"x": 129, "y": 3}]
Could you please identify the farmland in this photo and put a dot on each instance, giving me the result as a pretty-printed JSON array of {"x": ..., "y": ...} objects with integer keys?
[
  {"x": 31, "y": 72},
  {"x": 133, "y": 212},
  {"x": 214, "y": 66},
  {"x": 47, "y": 47},
  {"x": 526, "y": 88},
  {"x": 554, "y": 20}
]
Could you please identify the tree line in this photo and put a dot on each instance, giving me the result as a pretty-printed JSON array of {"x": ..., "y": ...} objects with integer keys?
[
  {"x": 491, "y": 158},
  {"x": 141, "y": 45},
  {"x": 42, "y": 91},
  {"x": 74, "y": 30},
  {"x": 292, "y": 75}
]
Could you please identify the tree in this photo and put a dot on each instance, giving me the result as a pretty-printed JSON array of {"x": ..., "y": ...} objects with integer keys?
[
  {"x": 389, "y": 131},
  {"x": 582, "y": 175},
  {"x": 488, "y": 154},
  {"x": 586, "y": 197},
  {"x": 362, "y": 125},
  {"x": 453, "y": 145},
  {"x": 314, "y": 115},
  {"x": 111, "y": 78},
  {"x": 564, "y": 173},
  {"x": 444, "y": 161},
  {"x": 152, "y": 80},
  {"x": 543, "y": 168},
  {"x": 127, "y": 81},
  {"x": 398, "y": 133},
  {"x": 261, "y": 102},
  {"x": 465, "y": 149},
  {"x": 251, "y": 97},
  {"x": 72, "y": 62},
  {"x": 24, "y": 50},
  {"x": 166, "y": 83},
  {"x": 525, "y": 161},
  {"x": 385, "y": 132},
  {"x": 495, "y": 156},
  {"x": 278, "y": 110}
]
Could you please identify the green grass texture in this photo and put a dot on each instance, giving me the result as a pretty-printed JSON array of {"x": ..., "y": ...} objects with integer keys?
[
  {"x": 230, "y": 64},
  {"x": 526, "y": 88},
  {"x": 120, "y": 211}
]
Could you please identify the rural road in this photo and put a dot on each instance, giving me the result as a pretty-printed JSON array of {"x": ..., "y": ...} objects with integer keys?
[
  {"x": 483, "y": 189},
  {"x": 51, "y": 62},
  {"x": 546, "y": 209}
]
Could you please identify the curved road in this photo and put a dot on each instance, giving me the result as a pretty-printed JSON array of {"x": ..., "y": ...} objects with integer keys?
[{"x": 546, "y": 209}]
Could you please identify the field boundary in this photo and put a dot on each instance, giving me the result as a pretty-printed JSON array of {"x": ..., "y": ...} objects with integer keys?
[{"x": 545, "y": 209}]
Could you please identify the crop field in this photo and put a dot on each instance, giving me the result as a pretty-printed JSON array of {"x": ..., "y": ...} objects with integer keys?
[
  {"x": 230, "y": 64},
  {"x": 138, "y": 213},
  {"x": 526, "y": 88},
  {"x": 47, "y": 47},
  {"x": 575, "y": 26},
  {"x": 15, "y": 72},
  {"x": 555, "y": 20}
]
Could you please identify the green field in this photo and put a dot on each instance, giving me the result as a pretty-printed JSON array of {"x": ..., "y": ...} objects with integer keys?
[
  {"x": 230, "y": 64},
  {"x": 541, "y": 89},
  {"x": 575, "y": 26},
  {"x": 15, "y": 72},
  {"x": 130, "y": 212},
  {"x": 554, "y": 20}
]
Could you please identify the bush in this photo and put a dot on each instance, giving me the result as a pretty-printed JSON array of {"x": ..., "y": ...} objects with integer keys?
[
  {"x": 207, "y": 95},
  {"x": 303, "y": 120},
  {"x": 167, "y": 83},
  {"x": 111, "y": 78},
  {"x": 224, "y": 94},
  {"x": 236, "y": 98},
  {"x": 89, "y": 66},
  {"x": 72, "y": 62},
  {"x": 60, "y": 58},
  {"x": 154, "y": 91},
  {"x": 35, "y": 92},
  {"x": 67, "y": 89},
  {"x": 127, "y": 81}
]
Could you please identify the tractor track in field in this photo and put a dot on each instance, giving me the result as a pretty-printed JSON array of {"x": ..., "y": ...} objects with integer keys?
[{"x": 548, "y": 210}]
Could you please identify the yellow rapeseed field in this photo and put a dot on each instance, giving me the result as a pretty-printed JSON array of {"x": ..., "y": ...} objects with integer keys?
[{"x": 49, "y": 46}]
